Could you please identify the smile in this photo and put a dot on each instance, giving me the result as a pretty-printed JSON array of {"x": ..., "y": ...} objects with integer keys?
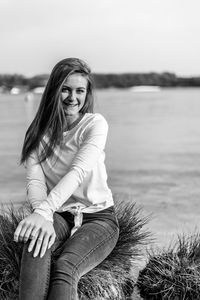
[{"x": 70, "y": 104}]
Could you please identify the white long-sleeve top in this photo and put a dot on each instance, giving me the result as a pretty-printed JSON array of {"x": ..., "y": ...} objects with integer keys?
[{"x": 74, "y": 178}]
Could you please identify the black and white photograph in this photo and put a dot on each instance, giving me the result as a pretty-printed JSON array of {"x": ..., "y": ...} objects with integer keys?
[{"x": 99, "y": 150}]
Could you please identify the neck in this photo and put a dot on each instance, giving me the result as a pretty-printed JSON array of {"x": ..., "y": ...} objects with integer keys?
[{"x": 71, "y": 121}]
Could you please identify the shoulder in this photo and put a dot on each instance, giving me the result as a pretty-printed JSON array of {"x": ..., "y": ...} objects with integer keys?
[
  {"x": 93, "y": 119},
  {"x": 94, "y": 124}
]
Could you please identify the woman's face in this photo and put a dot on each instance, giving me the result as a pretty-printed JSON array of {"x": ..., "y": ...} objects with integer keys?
[{"x": 73, "y": 94}]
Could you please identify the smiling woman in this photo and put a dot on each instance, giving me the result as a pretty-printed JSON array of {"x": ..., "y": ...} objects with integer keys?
[
  {"x": 73, "y": 97},
  {"x": 72, "y": 205}
]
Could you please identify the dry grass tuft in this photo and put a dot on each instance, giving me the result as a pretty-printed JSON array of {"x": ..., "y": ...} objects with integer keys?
[
  {"x": 111, "y": 279},
  {"x": 173, "y": 274},
  {"x": 10, "y": 253}
]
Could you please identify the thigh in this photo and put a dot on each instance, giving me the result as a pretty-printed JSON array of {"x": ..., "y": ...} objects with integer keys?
[
  {"x": 61, "y": 226},
  {"x": 62, "y": 229},
  {"x": 90, "y": 245}
]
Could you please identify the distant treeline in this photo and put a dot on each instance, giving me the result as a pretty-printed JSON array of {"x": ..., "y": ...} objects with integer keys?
[
  {"x": 124, "y": 80},
  {"x": 134, "y": 79}
]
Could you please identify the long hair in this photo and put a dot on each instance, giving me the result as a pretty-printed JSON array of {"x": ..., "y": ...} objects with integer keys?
[{"x": 50, "y": 117}]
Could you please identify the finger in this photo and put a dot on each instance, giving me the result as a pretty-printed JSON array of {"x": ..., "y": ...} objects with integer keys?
[
  {"x": 51, "y": 240},
  {"x": 38, "y": 244},
  {"x": 28, "y": 233},
  {"x": 34, "y": 233},
  {"x": 17, "y": 232},
  {"x": 25, "y": 227},
  {"x": 44, "y": 245},
  {"x": 33, "y": 241}
]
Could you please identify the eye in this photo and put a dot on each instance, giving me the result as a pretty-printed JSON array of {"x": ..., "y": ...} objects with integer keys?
[
  {"x": 65, "y": 89},
  {"x": 80, "y": 91}
]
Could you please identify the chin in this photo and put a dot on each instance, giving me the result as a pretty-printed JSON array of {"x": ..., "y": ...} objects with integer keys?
[{"x": 71, "y": 113}]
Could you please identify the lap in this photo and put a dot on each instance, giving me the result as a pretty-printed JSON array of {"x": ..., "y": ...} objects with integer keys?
[
  {"x": 84, "y": 250},
  {"x": 62, "y": 229},
  {"x": 89, "y": 245}
]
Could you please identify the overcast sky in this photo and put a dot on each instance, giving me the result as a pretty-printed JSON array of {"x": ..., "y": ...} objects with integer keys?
[{"x": 111, "y": 35}]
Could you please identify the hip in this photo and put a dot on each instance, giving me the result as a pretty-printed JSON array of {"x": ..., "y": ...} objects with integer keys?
[{"x": 107, "y": 215}]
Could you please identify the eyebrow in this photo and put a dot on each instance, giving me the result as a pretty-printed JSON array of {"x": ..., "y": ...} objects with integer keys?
[{"x": 79, "y": 87}]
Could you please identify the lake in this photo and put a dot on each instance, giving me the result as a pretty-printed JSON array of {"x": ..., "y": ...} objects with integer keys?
[{"x": 152, "y": 153}]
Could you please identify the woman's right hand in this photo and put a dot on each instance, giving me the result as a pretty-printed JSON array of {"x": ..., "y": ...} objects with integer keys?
[{"x": 39, "y": 230}]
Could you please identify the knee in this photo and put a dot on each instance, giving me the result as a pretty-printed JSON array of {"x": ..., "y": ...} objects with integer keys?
[
  {"x": 65, "y": 268},
  {"x": 25, "y": 251}
]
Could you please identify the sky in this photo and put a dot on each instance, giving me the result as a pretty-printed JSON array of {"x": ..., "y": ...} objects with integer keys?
[{"x": 113, "y": 36}]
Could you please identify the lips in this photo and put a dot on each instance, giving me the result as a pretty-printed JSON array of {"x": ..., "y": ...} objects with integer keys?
[{"x": 70, "y": 104}]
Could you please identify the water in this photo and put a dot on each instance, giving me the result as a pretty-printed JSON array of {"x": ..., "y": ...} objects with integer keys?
[{"x": 152, "y": 153}]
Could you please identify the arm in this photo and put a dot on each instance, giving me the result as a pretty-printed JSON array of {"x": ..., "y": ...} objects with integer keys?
[
  {"x": 35, "y": 181},
  {"x": 92, "y": 144},
  {"x": 36, "y": 227}
]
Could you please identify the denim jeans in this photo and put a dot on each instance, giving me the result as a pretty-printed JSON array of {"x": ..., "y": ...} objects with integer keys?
[{"x": 79, "y": 254}]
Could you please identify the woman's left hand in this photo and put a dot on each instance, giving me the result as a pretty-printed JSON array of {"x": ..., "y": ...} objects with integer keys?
[{"x": 39, "y": 230}]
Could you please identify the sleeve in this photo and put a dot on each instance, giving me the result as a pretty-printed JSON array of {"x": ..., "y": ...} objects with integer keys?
[
  {"x": 93, "y": 143},
  {"x": 35, "y": 182}
]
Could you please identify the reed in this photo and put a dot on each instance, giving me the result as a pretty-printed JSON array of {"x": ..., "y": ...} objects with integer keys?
[{"x": 174, "y": 273}]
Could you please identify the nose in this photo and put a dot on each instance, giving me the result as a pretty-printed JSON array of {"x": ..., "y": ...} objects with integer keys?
[{"x": 72, "y": 96}]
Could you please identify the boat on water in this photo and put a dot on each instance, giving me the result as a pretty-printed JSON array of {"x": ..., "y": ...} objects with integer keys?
[
  {"x": 145, "y": 88},
  {"x": 38, "y": 90},
  {"x": 15, "y": 91}
]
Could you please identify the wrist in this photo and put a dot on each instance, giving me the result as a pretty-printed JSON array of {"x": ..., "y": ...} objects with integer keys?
[{"x": 47, "y": 216}]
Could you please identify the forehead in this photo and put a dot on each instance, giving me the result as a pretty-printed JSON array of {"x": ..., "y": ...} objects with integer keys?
[{"x": 76, "y": 80}]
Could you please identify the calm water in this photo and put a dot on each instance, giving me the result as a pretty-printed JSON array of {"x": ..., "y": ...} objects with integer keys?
[{"x": 153, "y": 152}]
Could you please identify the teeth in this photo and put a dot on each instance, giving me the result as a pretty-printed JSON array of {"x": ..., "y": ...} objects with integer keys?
[{"x": 68, "y": 104}]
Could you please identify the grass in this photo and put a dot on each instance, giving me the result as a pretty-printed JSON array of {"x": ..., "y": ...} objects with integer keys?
[
  {"x": 111, "y": 279},
  {"x": 10, "y": 254},
  {"x": 174, "y": 273}
]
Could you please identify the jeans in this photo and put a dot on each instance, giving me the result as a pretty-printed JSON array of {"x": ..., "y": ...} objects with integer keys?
[{"x": 79, "y": 254}]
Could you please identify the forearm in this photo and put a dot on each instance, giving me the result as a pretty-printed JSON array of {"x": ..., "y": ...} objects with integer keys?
[
  {"x": 59, "y": 195},
  {"x": 36, "y": 187},
  {"x": 36, "y": 192}
]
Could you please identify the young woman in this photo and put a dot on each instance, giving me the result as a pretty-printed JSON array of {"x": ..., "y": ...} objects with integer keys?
[{"x": 63, "y": 153}]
